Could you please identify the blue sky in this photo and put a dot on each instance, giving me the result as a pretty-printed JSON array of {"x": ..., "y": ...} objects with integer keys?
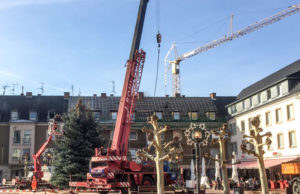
[{"x": 86, "y": 43}]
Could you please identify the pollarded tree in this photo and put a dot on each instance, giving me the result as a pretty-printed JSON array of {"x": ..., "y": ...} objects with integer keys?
[
  {"x": 166, "y": 151},
  {"x": 75, "y": 148}
]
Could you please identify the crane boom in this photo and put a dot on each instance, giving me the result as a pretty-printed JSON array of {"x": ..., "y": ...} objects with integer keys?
[{"x": 256, "y": 26}]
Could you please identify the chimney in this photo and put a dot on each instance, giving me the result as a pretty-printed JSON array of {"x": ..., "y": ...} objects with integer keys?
[
  {"x": 177, "y": 95},
  {"x": 94, "y": 95},
  {"x": 29, "y": 94},
  {"x": 140, "y": 96},
  {"x": 103, "y": 95},
  {"x": 111, "y": 95},
  {"x": 213, "y": 96},
  {"x": 66, "y": 95},
  {"x": 167, "y": 95}
]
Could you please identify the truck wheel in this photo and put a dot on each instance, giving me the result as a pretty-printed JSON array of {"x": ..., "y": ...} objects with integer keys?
[
  {"x": 296, "y": 187},
  {"x": 147, "y": 181}
]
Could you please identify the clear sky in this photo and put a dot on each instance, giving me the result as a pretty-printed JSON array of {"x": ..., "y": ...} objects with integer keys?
[{"x": 86, "y": 43}]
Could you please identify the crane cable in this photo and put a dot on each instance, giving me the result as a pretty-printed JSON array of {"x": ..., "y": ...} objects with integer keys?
[{"x": 158, "y": 40}]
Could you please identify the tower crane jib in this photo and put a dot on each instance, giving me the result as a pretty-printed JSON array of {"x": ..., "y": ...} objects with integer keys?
[{"x": 258, "y": 25}]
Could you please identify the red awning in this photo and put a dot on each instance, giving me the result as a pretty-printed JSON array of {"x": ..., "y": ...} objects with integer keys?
[{"x": 268, "y": 163}]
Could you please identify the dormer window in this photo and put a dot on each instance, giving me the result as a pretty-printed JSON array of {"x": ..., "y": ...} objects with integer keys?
[
  {"x": 211, "y": 115},
  {"x": 33, "y": 115},
  {"x": 176, "y": 115},
  {"x": 14, "y": 115},
  {"x": 193, "y": 115},
  {"x": 268, "y": 94},
  {"x": 51, "y": 114},
  {"x": 159, "y": 115}
]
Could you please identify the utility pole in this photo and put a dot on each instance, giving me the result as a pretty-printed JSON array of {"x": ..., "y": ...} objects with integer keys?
[{"x": 42, "y": 87}]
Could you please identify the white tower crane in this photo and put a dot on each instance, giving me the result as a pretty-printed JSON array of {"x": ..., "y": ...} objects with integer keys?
[{"x": 175, "y": 64}]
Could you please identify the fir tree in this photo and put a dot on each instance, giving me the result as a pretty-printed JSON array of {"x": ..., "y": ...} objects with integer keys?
[{"x": 75, "y": 147}]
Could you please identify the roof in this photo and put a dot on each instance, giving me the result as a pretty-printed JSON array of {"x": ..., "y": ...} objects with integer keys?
[
  {"x": 157, "y": 104},
  {"x": 289, "y": 71},
  {"x": 24, "y": 104}
]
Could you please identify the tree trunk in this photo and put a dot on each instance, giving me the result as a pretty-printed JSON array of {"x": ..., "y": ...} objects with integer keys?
[
  {"x": 224, "y": 169},
  {"x": 262, "y": 173},
  {"x": 159, "y": 176}
]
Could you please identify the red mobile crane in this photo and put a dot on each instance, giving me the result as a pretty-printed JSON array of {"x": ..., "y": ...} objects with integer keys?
[
  {"x": 36, "y": 179},
  {"x": 110, "y": 168}
]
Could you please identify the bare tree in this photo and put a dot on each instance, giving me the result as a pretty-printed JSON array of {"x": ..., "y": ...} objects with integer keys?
[{"x": 166, "y": 151}]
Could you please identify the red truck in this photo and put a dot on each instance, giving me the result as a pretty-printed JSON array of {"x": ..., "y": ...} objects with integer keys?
[{"x": 110, "y": 169}]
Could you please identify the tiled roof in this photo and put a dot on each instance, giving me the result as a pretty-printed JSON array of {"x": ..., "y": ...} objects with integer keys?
[
  {"x": 288, "y": 71},
  {"x": 23, "y": 105},
  {"x": 160, "y": 104}
]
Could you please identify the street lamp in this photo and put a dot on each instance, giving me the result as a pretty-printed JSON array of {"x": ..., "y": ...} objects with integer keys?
[{"x": 197, "y": 135}]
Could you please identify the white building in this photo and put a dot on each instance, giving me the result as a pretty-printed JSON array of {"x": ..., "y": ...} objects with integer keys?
[{"x": 276, "y": 100}]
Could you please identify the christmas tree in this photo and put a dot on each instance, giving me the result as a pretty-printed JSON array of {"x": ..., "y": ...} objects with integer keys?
[{"x": 75, "y": 148}]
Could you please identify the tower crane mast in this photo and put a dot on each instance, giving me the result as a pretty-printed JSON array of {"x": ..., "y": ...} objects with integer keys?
[{"x": 256, "y": 26}]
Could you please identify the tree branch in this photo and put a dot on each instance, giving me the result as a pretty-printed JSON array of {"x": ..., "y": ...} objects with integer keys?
[{"x": 144, "y": 155}]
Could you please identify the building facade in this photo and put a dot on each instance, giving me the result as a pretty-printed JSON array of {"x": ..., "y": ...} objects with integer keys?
[
  {"x": 23, "y": 128},
  {"x": 276, "y": 101}
]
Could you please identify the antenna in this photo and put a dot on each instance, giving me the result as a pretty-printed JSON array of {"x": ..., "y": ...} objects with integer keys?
[
  {"x": 4, "y": 87},
  {"x": 42, "y": 87},
  {"x": 113, "y": 87},
  {"x": 13, "y": 88},
  {"x": 72, "y": 90}
]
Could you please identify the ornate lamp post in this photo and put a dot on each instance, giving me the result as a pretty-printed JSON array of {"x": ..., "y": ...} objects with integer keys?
[{"x": 197, "y": 135}]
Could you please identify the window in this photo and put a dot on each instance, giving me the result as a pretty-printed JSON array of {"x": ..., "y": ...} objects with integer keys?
[
  {"x": 193, "y": 115},
  {"x": 96, "y": 116},
  {"x": 271, "y": 145},
  {"x": 243, "y": 126},
  {"x": 290, "y": 112},
  {"x": 16, "y": 154},
  {"x": 233, "y": 147},
  {"x": 278, "y": 115},
  {"x": 176, "y": 115},
  {"x": 159, "y": 115},
  {"x": 162, "y": 136},
  {"x": 33, "y": 115},
  {"x": 114, "y": 115},
  {"x": 280, "y": 142},
  {"x": 17, "y": 137},
  {"x": 26, "y": 153},
  {"x": 27, "y": 137},
  {"x": 243, "y": 142},
  {"x": 51, "y": 114},
  {"x": 13, "y": 115},
  {"x": 211, "y": 115},
  {"x": 133, "y": 135},
  {"x": 132, "y": 153},
  {"x": 232, "y": 129},
  {"x": 259, "y": 117},
  {"x": 249, "y": 124},
  {"x": 251, "y": 145},
  {"x": 133, "y": 116},
  {"x": 268, "y": 118},
  {"x": 292, "y": 139}
]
